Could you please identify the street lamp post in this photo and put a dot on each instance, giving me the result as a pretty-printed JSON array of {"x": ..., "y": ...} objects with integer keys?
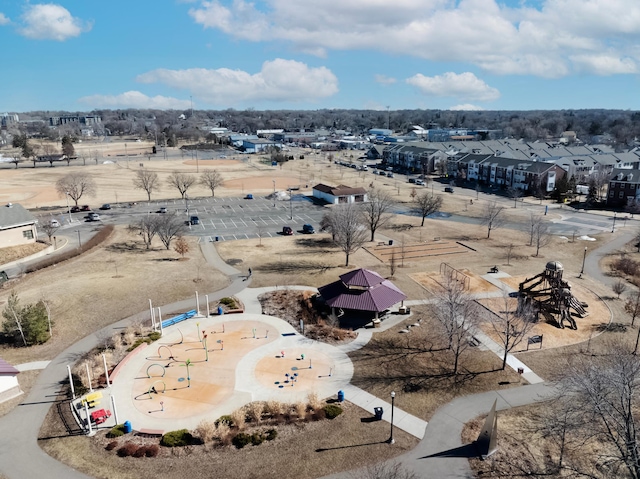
[
  {"x": 583, "y": 260},
  {"x": 274, "y": 193},
  {"x": 79, "y": 240},
  {"x": 393, "y": 398},
  {"x": 613, "y": 227}
]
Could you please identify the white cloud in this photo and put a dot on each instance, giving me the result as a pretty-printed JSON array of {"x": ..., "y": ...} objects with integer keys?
[
  {"x": 384, "y": 80},
  {"x": 135, "y": 99},
  {"x": 278, "y": 80},
  {"x": 550, "y": 39},
  {"x": 51, "y": 22},
  {"x": 466, "y": 107},
  {"x": 464, "y": 86},
  {"x": 4, "y": 20}
]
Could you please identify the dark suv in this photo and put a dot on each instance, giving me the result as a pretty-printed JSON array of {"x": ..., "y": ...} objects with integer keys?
[
  {"x": 194, "y": 220},
  {"x": 287, "y": 231},
  {"x": 308, "y": 229}
]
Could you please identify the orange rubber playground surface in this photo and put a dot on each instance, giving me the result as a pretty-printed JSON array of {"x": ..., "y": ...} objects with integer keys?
[{"x": 176, "y": 382}]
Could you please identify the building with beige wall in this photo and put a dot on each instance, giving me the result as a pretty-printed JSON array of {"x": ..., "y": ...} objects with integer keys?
[{"x": 17, "y": 226}]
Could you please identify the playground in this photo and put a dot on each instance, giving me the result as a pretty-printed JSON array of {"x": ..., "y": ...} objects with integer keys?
[{"x": 204, "y": 368}]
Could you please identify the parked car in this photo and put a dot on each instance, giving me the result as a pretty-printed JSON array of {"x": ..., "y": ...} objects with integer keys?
[
  {"x": 75, "y": 209},
  {"x": 420, "y": 182},
  {"x": 163, "y": 209},
  {"x": 54, "y": 223},
  {"x": 389, "y": 168},
  {"x": 448, "y": 189},
  {"x": 287, "y": 231},
  {"x": 390, "y": 174},
  {"x": 85, "y": 208},
  {"x": 194, "y": 220},
  {"x": 412, "y": 180},
  {"x": 249, "y": 197},
  {"x": 308, "y": 229},
  {"x": 94, "y": 217},
  {"x": 106, "y": 206}
]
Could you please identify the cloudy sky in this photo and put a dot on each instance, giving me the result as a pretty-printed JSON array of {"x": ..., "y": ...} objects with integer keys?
[{"x": 310, "y": 54}]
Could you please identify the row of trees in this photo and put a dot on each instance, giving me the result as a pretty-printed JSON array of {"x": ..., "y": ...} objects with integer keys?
[
  {"x": 622, "y": 126},
  {"x": 166, "y": 227}
]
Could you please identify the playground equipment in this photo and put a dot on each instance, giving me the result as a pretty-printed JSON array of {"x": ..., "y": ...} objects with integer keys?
[
  {"x": 160, "y": 366},
  {"x": 170, "y": 352},
  {"x": 152, "y": 388},
  {"x": 548, "y": 294},
  {"x": 450, "y": 273}
]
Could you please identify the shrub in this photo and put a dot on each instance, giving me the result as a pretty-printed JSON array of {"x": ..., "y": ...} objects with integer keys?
[
  {"x": 138, "y": 342},
  {"x": 116, "y": 431},
  {"x": 332, "y": 411},
  {"x": 129, "y": 449},
  {"x": 226, "y": 419},
  {"x": 206, "y": 430},
  {"x": 241, "y": 440},
  {"x": 274, "y": 408},
  {"x": 179, "y": 438},
  {"x": 223, "y": 433},
  {"x": 271, "y": 434},
  {"x": 111, "y": 446},
  {"x": 239, "y": 418},
  {"x": 229, "y": 302},
  {"x": 314, "y": 402},
  {"x": 254, "y": 411},
  {"x": 154, "y": 336},
  {"x": 140, "y": 452},
  {"x": 152, "y": 450},
  {"x": 301, "y": 409},
  {"x": 257, "y": 438}
]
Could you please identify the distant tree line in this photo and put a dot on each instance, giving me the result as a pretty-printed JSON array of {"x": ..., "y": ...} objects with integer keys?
[{"x": 170, "y": 126}]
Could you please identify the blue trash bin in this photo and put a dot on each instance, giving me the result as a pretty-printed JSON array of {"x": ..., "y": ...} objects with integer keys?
[
  {"x": 220, "y": 311},
  {"x": 127, "y": 427},
  {"x": 340, "y": 396}
]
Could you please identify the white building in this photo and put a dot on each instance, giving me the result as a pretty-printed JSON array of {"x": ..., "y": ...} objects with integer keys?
[{"x": 9, "y": 387}]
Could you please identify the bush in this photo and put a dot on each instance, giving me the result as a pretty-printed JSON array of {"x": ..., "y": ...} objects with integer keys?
[
  {"x": 206, "y": 430},
  {"x": 152, "y": 450},
  {"x": 111, "y": 446},
  {"x": 228, "y": 302},
  {"x": 332, "y": 411},
  {"x": 226, "y": 419},
  {"x": 179, "y": 438},
  {"x": 154, "y": 336},
  {"x": 140, "y": 452},
  {"x": 271, "y": 434},
  {"x": 257, "y": 438},
  {"x": 138, "y": 342},
  {"x": 241, "y": 440},
  {"x": 129, "y": 449},
  {"x": 116, "y": 431}
]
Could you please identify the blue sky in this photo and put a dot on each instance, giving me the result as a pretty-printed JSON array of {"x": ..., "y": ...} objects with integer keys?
[{"x": 310, "y": 54}]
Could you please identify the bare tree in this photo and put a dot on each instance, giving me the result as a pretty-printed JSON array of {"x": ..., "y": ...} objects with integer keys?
[
  {"x": 632, "y": 306},
  {"x": 147, "y": 228},
  {"x": 49, "y": 153},
  {"x": 13, "y": 312},
  {"x": 534, "y": 220},
  {"x": 349, "y": 233},
  {"x": 515, "y": 194},
  {"x": 541, "y": 236},
  {"x": 457, "y": 312},
  {"x": 425, "y": 204},
  {"x": 76, "y": 185},
  {"x": 146, "y": 180},
  {"x": 181, "y": 181},
  {"x": 169, "y": 227},
  {"x": 510, "y": 325},
  {"x": 16, "y": 158},
  {"x": 492, "y": 217},
  {"x": 393, "y": 264},
  {"x": 376, "y": 210},
  {"x": 49, "y": 228},
  {"x": 606, "y": 389},
  {"x": 182, "y": 246},
  {"x": 260, "y": 232},
  {"x": 509, "y": 248},
  {"x": 619, "y": 287},
  {"x": 211, "y": 179}
]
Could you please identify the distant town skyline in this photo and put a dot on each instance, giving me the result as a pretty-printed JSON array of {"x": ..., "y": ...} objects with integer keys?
[{"x": 314, "y": 54}]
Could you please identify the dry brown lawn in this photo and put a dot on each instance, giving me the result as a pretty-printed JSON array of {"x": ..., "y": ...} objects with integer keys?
[
  {"x": 300, "y": 451},
  {"x": 105, "y": 285},
  {"x": 13, "y": 253}
]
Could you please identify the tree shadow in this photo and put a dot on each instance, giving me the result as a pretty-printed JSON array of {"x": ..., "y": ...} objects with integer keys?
[
  {"x": 467, "y": 450},
  {"x": 324, "y": 449}
]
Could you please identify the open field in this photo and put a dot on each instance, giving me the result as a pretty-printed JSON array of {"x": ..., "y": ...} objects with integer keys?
[{"x": 106, "y": 285}]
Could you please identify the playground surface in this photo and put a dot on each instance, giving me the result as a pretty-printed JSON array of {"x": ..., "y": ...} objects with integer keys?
[{"x": 170, "y": 384}]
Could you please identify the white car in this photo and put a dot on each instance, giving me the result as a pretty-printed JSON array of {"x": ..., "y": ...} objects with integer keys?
[
  {"x": 420, "y": 182},
  {"x": 94, "y": 217},
  {"x": 54, "y": 223}
]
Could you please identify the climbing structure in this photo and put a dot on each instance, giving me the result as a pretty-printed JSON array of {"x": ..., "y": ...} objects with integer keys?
[{"x": 548, "y": 294}]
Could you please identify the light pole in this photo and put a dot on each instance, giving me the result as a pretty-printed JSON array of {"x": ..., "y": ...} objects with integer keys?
[
  {"x": 393, "y": 398},
  {"x": 613, "y": 227},
  {"x": 66, "y": 195},
  {"x": 583, "y": 260},
  {"x": 79, "y": 240},
  {"x": 186, "y": 203},
  {"x": 274, "y": 193},
  {"x": 290, "y": 205}
]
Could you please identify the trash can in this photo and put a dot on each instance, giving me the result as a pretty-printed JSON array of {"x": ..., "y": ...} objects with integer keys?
[
  {"x": 220, "y": 311},
  {"x": 340, "y": 396},
  {"x": 390, "y": 242},
  {"x": 127, "y": 427},
  {"x": 378, "y": 412},
  {"x": 217, "y": 238}
]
